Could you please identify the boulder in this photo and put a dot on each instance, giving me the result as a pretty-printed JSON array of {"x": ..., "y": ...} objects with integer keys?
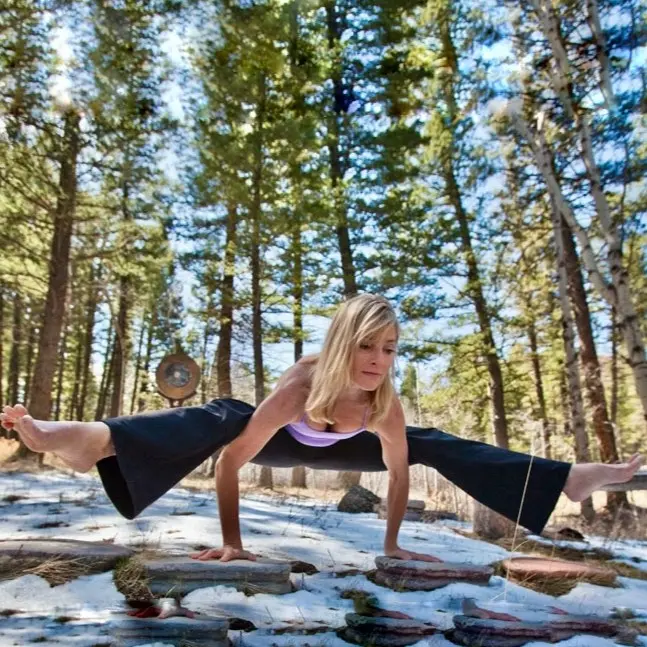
[{"x": 358, "y": 499}]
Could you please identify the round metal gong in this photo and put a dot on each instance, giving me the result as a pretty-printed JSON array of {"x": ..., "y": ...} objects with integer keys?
[{"x": 177, "y": 376}]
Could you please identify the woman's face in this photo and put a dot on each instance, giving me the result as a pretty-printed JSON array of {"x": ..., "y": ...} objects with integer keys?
[{"x": 372, "y": 360}]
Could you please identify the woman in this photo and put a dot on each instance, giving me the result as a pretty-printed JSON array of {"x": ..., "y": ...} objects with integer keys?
[{"x": 337, "y": 410}]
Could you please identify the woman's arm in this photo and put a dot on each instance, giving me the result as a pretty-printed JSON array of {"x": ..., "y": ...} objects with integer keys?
[
  {"x": 392, "y": 434},
  {"x": 284, "y": 405},
  {"x": 395, "y": 454}
]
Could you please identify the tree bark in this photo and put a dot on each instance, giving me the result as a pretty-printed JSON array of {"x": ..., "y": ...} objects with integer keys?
[
  {"x": 336, "y": 167},
  {"x": 122, "y": 328},
  {"x": 32, "y": 339},
  {"x": 336, "y": 173},
  {"x": 143, "y": 389},
  {"x": 614, "y": 367},
  {"x": 13, "y": 395},
  {"x": 1, "y": 340},
  {"x": 105, "y": 376},
  {"x": 572, "y": 364},
  {"x": 539, "y": 386},
  {"x": 265, "y": 478},
  {"x": 223, "y": 352},
  {"x": 298, "y": 477},
  {"x": 61, "y": 366},
  {"x": 138, "y": 360},
  {"x": 602, "y": 425},
  {"x": 40, "y": 397},
  {"x": 88, "y": 339}
]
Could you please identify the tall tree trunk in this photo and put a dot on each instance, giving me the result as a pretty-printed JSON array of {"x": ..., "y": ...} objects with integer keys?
[
  {"x": 265, "y": 479},
  {"x": 572, "y": 363},
  {"x": 296, "y": 257},
  {"x": 336, "y": 172},
  {"x": 78, "y": 367},
  {"x": 592, "y": 374},
  {"x": 143, "y": 389},
  {"x": 105, "y": 375},
  {"x": 474, "y": 285},
  {"x": 88, "y": 338},
  {"x": 61, "y": 367},
  {"x": 3, "y": 432},
  {"x": 122, "y": 337},
  {"x": 223, "y": 352},
  {"x": 13, "y": 395},
  {"x": 138, "y": 360},
  {"x": 32, "y": 340},
  {"x": 298, "y": 478},
  {"x": 614, "y": 367},
  {"x": 539, "y": 385},
  {"x": 336, "y": 169},
  {"x": 40, "y": 397}
]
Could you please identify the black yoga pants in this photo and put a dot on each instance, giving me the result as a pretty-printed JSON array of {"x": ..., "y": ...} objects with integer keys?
[{"x": 153, "y": 451}]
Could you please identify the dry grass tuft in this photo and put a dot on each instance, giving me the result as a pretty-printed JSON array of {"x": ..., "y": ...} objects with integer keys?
[
  {"x": 592, "y": 556},
  {"x": 131, "y": 580},
  {"x": 55, "y": 570},
  {"x": 548, "y": 585}
]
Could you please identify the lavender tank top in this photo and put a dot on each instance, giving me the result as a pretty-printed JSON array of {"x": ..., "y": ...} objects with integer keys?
[{"x": 306, "y": 435}]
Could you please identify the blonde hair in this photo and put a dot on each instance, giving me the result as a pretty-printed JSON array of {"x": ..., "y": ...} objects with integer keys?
[{"x": 358, "y": 320}]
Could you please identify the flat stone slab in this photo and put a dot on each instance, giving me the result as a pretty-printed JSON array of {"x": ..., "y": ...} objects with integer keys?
[
  {"x": 378, "y": 631},
  {"x": 178, "y": 576},
  {"x": 548, "y": 568},
  {"x": 414, "y": 575},
  {"x": 202, "y": 631},
  {"x": 95, "y": 557},
  {"x": 502, "y": 633}
]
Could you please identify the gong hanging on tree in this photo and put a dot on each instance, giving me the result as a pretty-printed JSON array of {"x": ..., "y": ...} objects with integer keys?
[{"x": 177, "y": 378}]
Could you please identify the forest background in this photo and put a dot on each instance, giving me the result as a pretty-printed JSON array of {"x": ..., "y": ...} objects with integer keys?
[{"x": 216, "y": 176}]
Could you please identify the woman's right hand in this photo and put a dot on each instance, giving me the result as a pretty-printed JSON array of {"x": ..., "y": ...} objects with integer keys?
[{"x": 224, "y": 554}]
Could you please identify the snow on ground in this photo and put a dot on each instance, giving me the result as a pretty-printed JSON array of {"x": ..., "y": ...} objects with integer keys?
[{"x": 313, "y": 532}]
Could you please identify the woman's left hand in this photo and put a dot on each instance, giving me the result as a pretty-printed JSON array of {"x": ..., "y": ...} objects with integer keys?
[{"x": 399, "y": 553}]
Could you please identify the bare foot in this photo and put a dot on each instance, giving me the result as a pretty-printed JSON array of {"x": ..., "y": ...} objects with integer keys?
[
  {"x": 586, "y": 478},
  {"x": 79, "y": 444}
]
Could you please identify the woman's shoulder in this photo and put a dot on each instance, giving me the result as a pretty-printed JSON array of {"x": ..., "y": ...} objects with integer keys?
[{"x": 298, "y": 377}]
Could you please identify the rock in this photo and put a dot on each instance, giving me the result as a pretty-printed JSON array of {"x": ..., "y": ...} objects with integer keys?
[
  {"x": 87, "y": 557},
  {"x": 470, "y": 630},
  {"x": 409, "y": 515},
  {"x": 430, "y": 516},
  {"x": 413, "y": 575},
  {"x": 297, "y": 566},
  {"x": 413, "y": 512},
  {"x": 358, "y": 499},
  {"x": 563, "y": 533},
  {"x": 369, "y": 630},
  {"x": 529, "y": 631},
  {"x": 477, "y": 640},
  {"x": 548, "y": 568},
  {"x": 412, "y": 504},
  {"x": 178, "y": 576},
  {"x": 201, "y": 631}
]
